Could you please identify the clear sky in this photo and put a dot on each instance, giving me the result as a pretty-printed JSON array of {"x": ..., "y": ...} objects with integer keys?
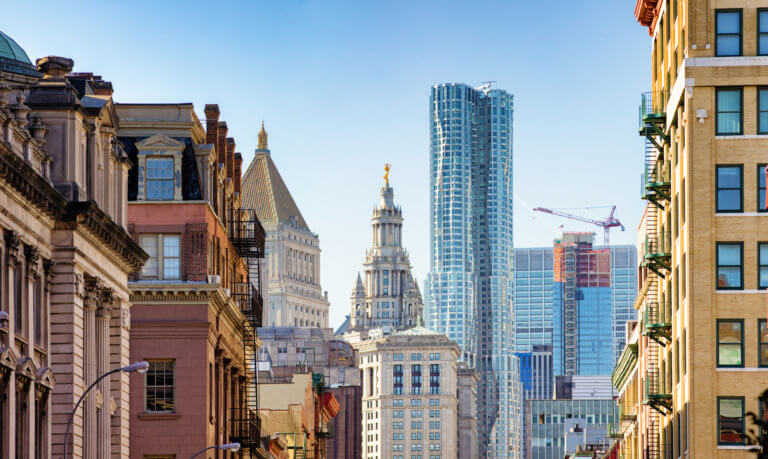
[{"x": 343, "y": 87}]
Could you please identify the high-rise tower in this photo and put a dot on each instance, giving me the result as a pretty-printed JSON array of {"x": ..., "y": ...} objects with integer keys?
[
  {"x": 470, "y": 284},
  {"x": 386, "y": 294}
]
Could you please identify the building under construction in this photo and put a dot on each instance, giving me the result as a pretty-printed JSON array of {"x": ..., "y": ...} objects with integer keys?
[{"x": 583, "y": 306}]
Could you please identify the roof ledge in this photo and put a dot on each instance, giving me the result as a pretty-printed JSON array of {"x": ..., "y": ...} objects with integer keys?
[{"x": 646, "y": 12}]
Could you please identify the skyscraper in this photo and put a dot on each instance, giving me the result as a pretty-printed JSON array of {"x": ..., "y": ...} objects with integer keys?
[{"x": 470, "y": 283}]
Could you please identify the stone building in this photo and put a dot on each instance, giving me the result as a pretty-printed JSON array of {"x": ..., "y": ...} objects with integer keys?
[
  {"x": 700, "y": 352},
  {"x": 386, "y": 294},
  {"x": 294, "y": 296},
  {"x": 288, "y": 351},
  {"x": 65, "y": 258},
  {"x": 195, "y": 309},
  {"x": 418, "y": 400}
]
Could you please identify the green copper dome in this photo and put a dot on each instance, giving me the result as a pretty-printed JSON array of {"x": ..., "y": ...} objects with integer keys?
[{"x": 13, "y": 58}]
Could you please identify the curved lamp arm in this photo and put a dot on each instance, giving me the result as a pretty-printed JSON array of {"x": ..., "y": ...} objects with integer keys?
[
  {"x": 140, "y": 367},
  {"x": 227, "y": 446}
]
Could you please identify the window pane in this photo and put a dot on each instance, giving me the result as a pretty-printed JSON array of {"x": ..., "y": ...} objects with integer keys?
[
  {"x": 729, "y": 332},
  {"x": 729, "y": 123},
  {"x": 764, "y": 254},
  {"x": 160, "y": 168},
  {"x": 763, "y": 120},
  {"x": 728, "y": 45},
  {"x": 149, "y": 244},
  {"x": 764, "y": 277},
  {"x": 729, "y": 277},
  {"x": 729, "y": 100},
  {"x": 729, "y": 254},
  {"x": 729, "y": 200},
  {"x": 763, "y": 43},
  {"x": 731, "y": 423},
  {"x": 728, "y": 177},
  {"x": 728, "y": 22},
  {"x": 170, "y": 246},
  {"x": 763, "y": 21},
  {"x": 729, "y": 354}
]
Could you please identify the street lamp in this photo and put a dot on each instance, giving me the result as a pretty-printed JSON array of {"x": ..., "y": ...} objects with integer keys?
[
  {"x": 3, "y": 316},
  {"x": 234, "y": 447},
  {"x": 139, "y": 367}
]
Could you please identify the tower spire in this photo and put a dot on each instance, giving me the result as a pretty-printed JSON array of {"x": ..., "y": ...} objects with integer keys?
[
  {"x": 387, "y": 167},
  {"x": 263, "y": 138}
]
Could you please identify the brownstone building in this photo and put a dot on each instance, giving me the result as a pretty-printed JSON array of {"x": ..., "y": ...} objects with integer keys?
[
  {"x": 195, "y": 308},
  {"x": 65, "y": 257}
]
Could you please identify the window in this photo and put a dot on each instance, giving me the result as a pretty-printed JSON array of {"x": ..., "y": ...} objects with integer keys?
[
  {"x": 761, "y": 192},
  {"x": 730, "y": 343},
  {"x": 159, "y": 383},
  {"x": 729, "y": 120},
  {"x": 762, "y": 336},
  {"x": 434, "y": 379},
  {"x": 762, "y": 261},
  {"x": 165, "y": 263},
  {"x": 397, "y": 385},
  {"x": 415, "y": 379},
  {"x": 730, "y": 420},
  {"x": 728, "y": 33},
  {"x": 730, "y": 184},
  {"x": 159, "y": 178},
  {"x": 730, "y": 272},
  {"x": 762, "y": 31}
]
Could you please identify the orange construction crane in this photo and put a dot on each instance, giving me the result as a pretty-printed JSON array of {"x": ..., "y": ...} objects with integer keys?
[{"x": 607, "y": 224}]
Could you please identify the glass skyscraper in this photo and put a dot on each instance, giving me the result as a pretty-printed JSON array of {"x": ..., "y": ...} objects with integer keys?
[{"x": 470, "y": 284}]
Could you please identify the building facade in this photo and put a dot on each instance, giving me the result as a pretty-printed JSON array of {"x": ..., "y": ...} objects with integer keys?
[
  {"x": 196, "y": 310},
  {"x": 287, "y": 351},
  {"x": 386, "y": 294},
  {"x": 702, "y": 275},
  {"x": 414, "y": 395},
  {"x": 470, "y": 283},
  {"x": 65, "y": 258},
  {"x": 294, "y": 297}
]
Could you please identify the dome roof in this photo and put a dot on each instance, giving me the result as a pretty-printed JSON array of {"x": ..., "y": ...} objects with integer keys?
[
  {"x": 13, "y": 58},
  {"x": 9, "y": 49}
]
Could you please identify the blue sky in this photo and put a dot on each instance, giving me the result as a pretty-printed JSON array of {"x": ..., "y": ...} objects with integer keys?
[{"x": 343, "y": 88}]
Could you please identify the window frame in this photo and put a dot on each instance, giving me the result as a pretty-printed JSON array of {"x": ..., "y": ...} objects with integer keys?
[
  {"x": 761, "y": 173},
  {"x": 760, "y": 265},
  {"x": 173, "y": 386},
  {"x": 718, "y": 343},
  {"x": 740, "y": 89},
  {"x": 160, "y": 240},
  {"x": 760, "y": 108},
  {"x": 743, "y": 423},
  {"x": 172, "y": 179},
  {"x": 741, "y": 188},
  {"x": 761, "y": 343},
  {"x": 757, "y": 31},
  {"x": 718, "y": 265},
  {"x": 741, "y": 30}
]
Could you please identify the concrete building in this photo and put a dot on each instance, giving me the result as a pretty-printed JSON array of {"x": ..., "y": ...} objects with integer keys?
[
  {"x": 294, "y": 297},
  {"x": 386, "y": 294},
  {"x": 418, "y": 400},
  {"x": 537, "y": 372},
  {"x": 287, "y": 351},
  {"x": 703, "y": 257},
  {"x": 195, "y": 308},
  {"x": 65, "y": 257},
  {"x": 470, "y": 284}
]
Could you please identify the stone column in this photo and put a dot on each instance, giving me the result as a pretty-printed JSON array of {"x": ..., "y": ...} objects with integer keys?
[
  {"x": 92, "y": 292},
  {"x": 103, "y": 314}
]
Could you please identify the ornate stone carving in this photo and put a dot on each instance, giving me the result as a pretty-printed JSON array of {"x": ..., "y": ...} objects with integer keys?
[
  {"x": 125, "y": 318},
  {"x": 33, "y": 261},
  {"x": 20, "y": 110},
  {"x": 13, "y": 246},
  {"x": 107, "y": 299},
  {"x": 37, "y": 128},
  {"x": 92, "y": 292},
  {"x": 48, "y": 268},
  {"x": 4, "y": 90}
]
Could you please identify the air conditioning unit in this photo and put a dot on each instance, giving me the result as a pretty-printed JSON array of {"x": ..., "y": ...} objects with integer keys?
[
  {"x": 228, "y": 292},
  {"x": 214, "y": 279}
]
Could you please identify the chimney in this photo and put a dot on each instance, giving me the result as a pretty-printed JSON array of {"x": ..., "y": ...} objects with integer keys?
[
  {"x": 211, "y": 124},
  {"x": 221, "y": 148},
  {"x": 238, "y": 171},
  {"x": 230, "y": 157}
]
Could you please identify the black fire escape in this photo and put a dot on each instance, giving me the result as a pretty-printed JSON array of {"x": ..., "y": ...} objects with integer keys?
[{"x": 247, "y": 236}]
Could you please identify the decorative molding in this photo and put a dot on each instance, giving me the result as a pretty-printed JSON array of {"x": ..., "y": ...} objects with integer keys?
[
  {"x": 13, "y": 247},
  {"x": 49, "y": 270},
  {"x": 33, "y": 261}
]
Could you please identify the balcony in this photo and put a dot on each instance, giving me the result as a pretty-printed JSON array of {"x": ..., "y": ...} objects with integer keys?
[
  {"x": 657, "y": 395},
  {"x": 658, "y": 254},
  {"x": 245, "y": 428},
  {"x": 657, "y": 183},
  {"x": 658, "y": 321},
  {"x": 246, "y": 234},
  {"x": 653, "y": 119}
]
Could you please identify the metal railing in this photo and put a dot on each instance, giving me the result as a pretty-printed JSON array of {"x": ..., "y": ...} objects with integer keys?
[{"x": 652, "y": 106}]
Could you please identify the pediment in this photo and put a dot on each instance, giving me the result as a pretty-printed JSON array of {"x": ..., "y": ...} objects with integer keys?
[
  {"x": 8, "y": 358},
  {"x": 159, "y": 142},
  {"x": 26, "y": 368},
  {"x": 45, "y": 378}
]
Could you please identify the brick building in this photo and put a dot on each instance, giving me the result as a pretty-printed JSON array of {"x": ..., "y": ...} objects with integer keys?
[
  {"x": 195, "y": 307},
  {"x": 65, "y": 257}
]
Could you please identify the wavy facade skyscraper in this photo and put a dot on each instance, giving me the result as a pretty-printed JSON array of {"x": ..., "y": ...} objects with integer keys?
[{"x": 470, "y": 284}]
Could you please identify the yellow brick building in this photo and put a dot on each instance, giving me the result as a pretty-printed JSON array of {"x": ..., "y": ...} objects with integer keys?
[{"x": 698, "y": 358}]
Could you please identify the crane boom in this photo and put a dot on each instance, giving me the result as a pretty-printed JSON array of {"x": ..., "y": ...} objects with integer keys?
[{"x": 607, "y": 224}]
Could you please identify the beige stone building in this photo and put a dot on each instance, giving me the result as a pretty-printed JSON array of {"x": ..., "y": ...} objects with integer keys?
[
  {"x": 294, "y": 296},
  {"x": 65, "y": 259},
  {"x": 416, "y": 397},
  {"x": 701, "y": 345}
]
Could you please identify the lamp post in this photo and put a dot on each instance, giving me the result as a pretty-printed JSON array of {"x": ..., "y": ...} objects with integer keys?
[
  {"x": 234, "y": 447},
  {"x": 3, "y": 316},
  {"x": 140, "y": 367}
]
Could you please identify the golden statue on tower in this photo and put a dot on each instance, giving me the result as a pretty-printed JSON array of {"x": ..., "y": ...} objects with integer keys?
[{"x": 387, "y": 167}]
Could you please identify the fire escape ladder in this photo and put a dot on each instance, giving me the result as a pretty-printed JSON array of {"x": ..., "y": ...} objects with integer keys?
[{"x": 247, "y": 236}]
